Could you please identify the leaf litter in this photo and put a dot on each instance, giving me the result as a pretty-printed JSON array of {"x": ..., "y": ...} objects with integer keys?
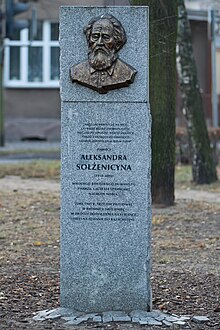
[{"x": 185, "y": 252}]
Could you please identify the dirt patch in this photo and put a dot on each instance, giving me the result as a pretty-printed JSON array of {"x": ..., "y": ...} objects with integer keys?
[
  {"x": 13, "y": 182},
  {"x": 185, "y": 244}
]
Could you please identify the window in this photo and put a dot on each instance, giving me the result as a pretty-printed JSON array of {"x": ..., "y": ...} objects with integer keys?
[{"x": 30, "y": 64}]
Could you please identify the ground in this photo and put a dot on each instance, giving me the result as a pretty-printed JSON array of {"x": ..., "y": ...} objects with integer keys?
[{"x": 185, "y": 247}]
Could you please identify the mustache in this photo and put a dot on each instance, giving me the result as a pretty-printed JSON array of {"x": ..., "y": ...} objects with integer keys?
[
  {"x": 102, "y": 49},
  {"x": 100, "y": 60}
]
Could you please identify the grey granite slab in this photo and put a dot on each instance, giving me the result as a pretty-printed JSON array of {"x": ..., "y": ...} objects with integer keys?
[
  {"x": 184, "y": 318},
  {"x": 200, "y": 319},
  {"x": 146, "y": 318},
  {"x": 152, "y": 321},
  {"x": 64, "y": 312},
  {"x": 69, "y": 318},
  {"x": 159, "y": 317},
  {"x": 168, "y": 324},
  {"x": 120, "y": 316},
  {"x": 74, "y": 50},
  {"x": 97, "y": 318},
  {"x": 172, "y": 318},
  {"x": 181, "y": 323},
  {"x": 42, "y": 315},
  {"x": 106, "y": 175},
  {"x": 106, "y": 214},
  {"x": 107, "y": 317},
  {"x": 149, "y": 321}
]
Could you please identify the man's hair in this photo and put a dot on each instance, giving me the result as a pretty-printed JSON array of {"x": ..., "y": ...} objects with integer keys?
[{"x": 119, "y": 32}]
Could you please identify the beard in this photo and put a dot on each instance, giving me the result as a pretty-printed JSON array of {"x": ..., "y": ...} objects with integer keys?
[{"x": 101, "y": 58}]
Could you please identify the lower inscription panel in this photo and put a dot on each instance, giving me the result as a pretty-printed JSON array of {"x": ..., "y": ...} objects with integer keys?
[{"x": 106, "y": 205}]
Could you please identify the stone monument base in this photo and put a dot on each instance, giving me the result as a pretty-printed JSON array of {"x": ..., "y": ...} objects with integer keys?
[{"x": 155, "y": 317}]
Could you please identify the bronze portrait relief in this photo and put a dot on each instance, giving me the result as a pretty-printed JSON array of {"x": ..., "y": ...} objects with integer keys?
[{"x": 104, "y": 71}]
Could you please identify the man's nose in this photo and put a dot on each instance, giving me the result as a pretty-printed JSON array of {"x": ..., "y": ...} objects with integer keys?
[{"x": 100, "y": 40}]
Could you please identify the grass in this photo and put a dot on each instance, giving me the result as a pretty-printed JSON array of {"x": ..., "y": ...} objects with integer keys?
[
  {"x": 183, "y": 179},
  {"x": 37, "y": 169},
  {"x": 29, "y": 151},
  {"x": 183, "y": 173}
]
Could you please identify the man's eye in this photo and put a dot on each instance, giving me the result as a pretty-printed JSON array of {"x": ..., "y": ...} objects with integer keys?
[
  {"x": 106, "y": 37},
  {"x": 95, "y": 36}
]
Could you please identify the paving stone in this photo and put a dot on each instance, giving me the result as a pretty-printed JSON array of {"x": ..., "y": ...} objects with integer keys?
[
  {"x": 159, "y": 317},
  {"x": 69, "y": 318},
  {"x": 89, "y": 316},
  {"x": 154, "y": 322},
  {"x": 144, "y": 321},
  {"x": 97, "y": 318},
  {"x": 79, "y": 319},
  {"x": 106, "y": 317},
  {"x": 172, "y": 318},
  {"x": 54, "y": 313},
  {"x": 184, "y": 318},
  {"x": 182, "y": 323},
  {"x": 200, "y": 319},
  {"x": 52, "y": 317},
  {"x": 149, "y": 321},
  {"x": 120, "y": 316},
  {"x": 125, "y": 318},
  {"x": 41, "y": 316},
  {"x": 164, "y": 315},
  {"x": 66, "y": 312},
  {"x": 168, "y": 324},
  {"x": 153, "y": 314},
  {"x": 45, "y": 312},
  {"x": 142, "y": 317}
]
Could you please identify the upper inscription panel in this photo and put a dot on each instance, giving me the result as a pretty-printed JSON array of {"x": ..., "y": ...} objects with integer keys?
[
  {"x": 104, "y": 71},
  {"x": 115, "y": 40}
]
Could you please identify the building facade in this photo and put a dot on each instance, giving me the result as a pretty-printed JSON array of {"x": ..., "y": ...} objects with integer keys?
[
  {"x": 31, "y": 70},
  {"x": 31, "y": 74}
]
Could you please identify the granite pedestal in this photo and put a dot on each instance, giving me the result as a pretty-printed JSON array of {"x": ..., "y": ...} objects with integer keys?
[{"x": 106, "y": 164}]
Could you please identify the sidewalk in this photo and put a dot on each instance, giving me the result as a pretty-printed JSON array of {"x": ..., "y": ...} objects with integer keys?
[{"x": 13, "y": 151}]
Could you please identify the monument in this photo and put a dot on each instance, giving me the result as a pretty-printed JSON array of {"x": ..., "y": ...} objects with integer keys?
[{"x": 106, "y": 159}]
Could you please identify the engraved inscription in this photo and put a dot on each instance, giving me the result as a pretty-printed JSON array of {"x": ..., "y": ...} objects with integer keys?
[
  {"x": 105, "y": 193},
  {"x": 90, "y": 211},
  {"x": 105, "y": 132},
  {"x": 104, "y": 71}
]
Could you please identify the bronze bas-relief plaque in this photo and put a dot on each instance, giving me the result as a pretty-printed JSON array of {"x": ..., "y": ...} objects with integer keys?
[{"x": 104, "y": 71}]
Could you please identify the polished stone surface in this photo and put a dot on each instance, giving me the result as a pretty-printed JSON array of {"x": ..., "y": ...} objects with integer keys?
[{"x": 106, "y": 207}]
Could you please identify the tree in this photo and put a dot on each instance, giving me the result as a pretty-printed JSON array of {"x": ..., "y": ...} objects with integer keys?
[
  {"x": 163, "y": 29},
  {"x": 203, "y": 166}
]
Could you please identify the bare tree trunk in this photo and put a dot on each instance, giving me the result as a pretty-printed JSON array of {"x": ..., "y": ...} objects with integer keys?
[
  {"x": 203, "y": 165},
  {"x": 163, "y": 27}
]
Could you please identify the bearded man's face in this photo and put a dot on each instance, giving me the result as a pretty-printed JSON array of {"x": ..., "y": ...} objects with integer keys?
[{"x": 102, "y": 52}]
